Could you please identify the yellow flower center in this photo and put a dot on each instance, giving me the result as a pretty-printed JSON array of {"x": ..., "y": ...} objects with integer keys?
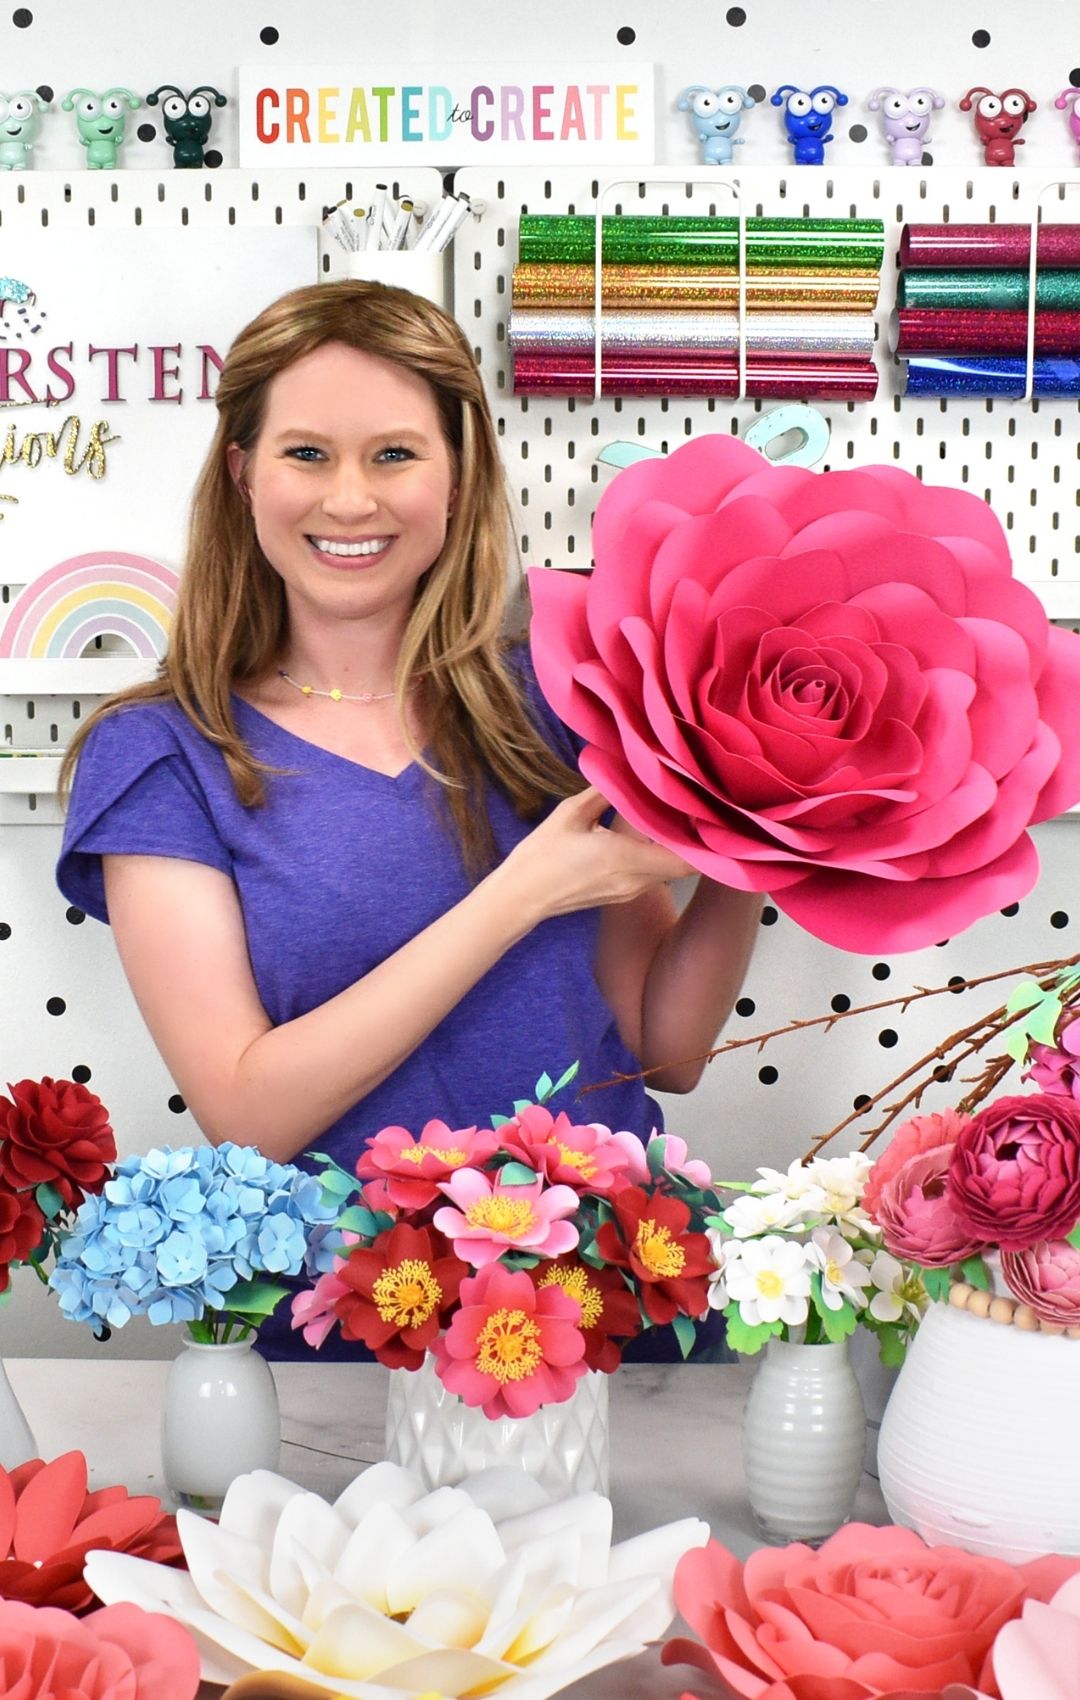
[
  {"x": 769, "y": 1284},
  {"x": 508, "y": 1346},
  {"x": 510, "y": 1217},
  {"x": 576, "y": 1283},
  {"x": 657, "y": 1251},
  {"x": 407, "y": 1294},
  {"x": 451, "y": 1155},
  {"x": 834, "y": 1274},
  {"x": 582, "y": 1161}
]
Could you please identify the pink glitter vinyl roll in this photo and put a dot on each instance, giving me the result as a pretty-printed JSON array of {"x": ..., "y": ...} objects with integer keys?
[
  {"x": 925, "y": 330},
  {"x": 981, "y": 245},
  {"x": 662, "y": 374}
]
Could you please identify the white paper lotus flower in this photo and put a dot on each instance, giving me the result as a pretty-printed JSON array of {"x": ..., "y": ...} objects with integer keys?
[{"x": 393, "y": 1591}]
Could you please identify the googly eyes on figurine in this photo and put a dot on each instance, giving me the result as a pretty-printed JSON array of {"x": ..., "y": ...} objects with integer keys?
[
  {"x": 716, "y": 115},
  {"x": 20, "y": 121},
  {"x": 807, "y": 115},
  {"x": 100, "y": 120},
  {"x": 187, "y": 119},
  {"x": 905, "y": 120},
  {"x": 998, "y": 118}
]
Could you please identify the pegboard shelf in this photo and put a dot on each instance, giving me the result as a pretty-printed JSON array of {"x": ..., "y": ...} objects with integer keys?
[
  {"x": 86, "y": 675},
  {"x": 29, "y": 773}
]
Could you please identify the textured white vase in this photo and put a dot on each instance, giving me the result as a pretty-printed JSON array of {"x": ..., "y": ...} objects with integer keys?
[
  {"x": 803, "y": 1437},
  {"x": 17, "y": 1444},
  {"x": 564, "y": 1447},
  {"x": 980, "y": 1444},
  {"x": 219, "y": 1420}
]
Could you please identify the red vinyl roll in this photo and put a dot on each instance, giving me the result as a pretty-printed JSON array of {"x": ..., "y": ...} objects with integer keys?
[
  {"x": 988, "y": 245},
  {"x": 663, "y": 374},
  {"x": 929, "y": 330}
]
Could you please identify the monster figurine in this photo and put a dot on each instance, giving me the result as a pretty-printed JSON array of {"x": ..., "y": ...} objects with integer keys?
[
  {"x": 905, "y": 120},
  {"x": 187, "y": 120},
  {"x": 716, "y": 115},
  {"x": 100, "y": 120},
  {"x": 998, "y": 119},
  {"x": 1068, "y": 98},
  {"x": 807, "y": 114},
  {"x": 20, "y": 121}
]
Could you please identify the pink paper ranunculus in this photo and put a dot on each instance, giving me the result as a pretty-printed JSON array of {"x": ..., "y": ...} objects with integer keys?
[
  {"x": 911, "y": 1139},
  {"x": 118, "y": 1653},
  {"x": 916, "y": 1215},
  {"x": 826, "y": 686},
  {"x": 1056, "y": 1068},
  {"x": 1046, "y": 1277},
  {"x": 873, "y": 1612},
  {"x": 1014, "y": 1178}
]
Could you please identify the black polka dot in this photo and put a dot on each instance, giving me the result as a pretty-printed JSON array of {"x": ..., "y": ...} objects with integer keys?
[
  {"x": 146, "y": 132},
  {"x": 943, "y": 1072},
  {"x": 268, "y": 36},
  {"x": 80, "y": 1073},
  {"x": 981, "y": 38},
  {"x": 1074, "y": 76},
  {"x": 862, "y": 1102},
  {"x": 22, "y": 19},
  {"x": 45, "y": 91},
  {"x": 956, "y": 982},
  {"x": 5, "y": 930},
  {"x": 212, "y": 159},
  {"x": 177, "y": 1105},
  {"x": 1011, "y": 909},
  {"x": 769, "y": 916},
  {"x": 927, "y": 158},
  {"x": 841, "y": 1002},
  {"x": 941, "y": 943},
  {"x": 888, "y": 1037},
  {"x": 736, "y": 17},
  {"x": 55, "y": 1006},
  {"x": 1059, "y": 919},
  {"x": 881, "y": 970},
  {"x": 76, "y": 916},
  {"x": 626, "y": 37},
  {"x": 857, "y": 132},
  {"x": 745, "y": 1006},
  {"x": 768, "y": 1075},
  {"x": 756, "y": 91}
]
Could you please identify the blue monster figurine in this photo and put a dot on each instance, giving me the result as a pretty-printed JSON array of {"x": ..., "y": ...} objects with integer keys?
[
  {"x": 806, "y": 119},
  {"x": 187, "y": 121},
  {"x": 100, "y": 121},
  {"x": 716, "y": 115},
  {"x": 20, "y": 121}
]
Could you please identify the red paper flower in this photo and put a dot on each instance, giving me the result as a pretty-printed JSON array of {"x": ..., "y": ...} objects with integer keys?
[
  {"x": 871, "y": 1612},
  {"x": 588, "y": 1158},
  {"x": 55, "y": 1131},
  {"x": 610, "y": 1316},
  {"x": 1015, "y": 1172},
  {"x": 511, "y": 1347},
  {"x": 1046, "y": 1277},
  {"x": 403, "y": 1173},
  {"x": 118, "y": 1653},
  {"x": 822, "y": 685},
  {"x": 21, "y": 1227},
  {"x": 401, "y": 1289},
  {"x": 669, "y": 1266},
  {"x": 49, "y": 1522}
]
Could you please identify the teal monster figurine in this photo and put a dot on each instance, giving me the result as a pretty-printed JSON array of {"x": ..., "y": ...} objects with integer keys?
[
  {"x": 100, "y": 119},
  {"x": 20, "y": 121},
  {"x": 187, "y": 120}
]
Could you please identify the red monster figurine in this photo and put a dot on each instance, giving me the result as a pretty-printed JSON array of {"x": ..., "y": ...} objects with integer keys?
[{"x": 998, "y": 118}]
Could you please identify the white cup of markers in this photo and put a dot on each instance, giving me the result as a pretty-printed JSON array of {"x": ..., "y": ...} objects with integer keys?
[{"x": 398, "y": 241}]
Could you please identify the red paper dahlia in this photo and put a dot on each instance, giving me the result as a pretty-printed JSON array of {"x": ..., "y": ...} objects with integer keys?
[{"x": 55, "y": 1131}]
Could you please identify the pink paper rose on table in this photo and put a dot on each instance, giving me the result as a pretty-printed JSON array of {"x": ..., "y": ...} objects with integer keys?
[
  {"x": 1014, "y": 1178},
  {"x": 1046, "y": 1277},
  {"x": 118, "y": 1653},
  {"x": 827, "y": 686}
]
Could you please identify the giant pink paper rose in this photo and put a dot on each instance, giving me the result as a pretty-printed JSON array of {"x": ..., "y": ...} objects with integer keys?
[
  {"x": 827, "y": 686},
  {"x": 1014, "y": 1178},
  {"x": 118, "y": 1653}
]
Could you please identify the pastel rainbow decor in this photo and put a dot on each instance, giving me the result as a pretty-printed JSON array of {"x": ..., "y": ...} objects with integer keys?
[{"x": 103, "y": 594}]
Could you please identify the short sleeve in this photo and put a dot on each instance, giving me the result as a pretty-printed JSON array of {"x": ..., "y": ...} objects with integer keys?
[{"x": 135, "y": 794}]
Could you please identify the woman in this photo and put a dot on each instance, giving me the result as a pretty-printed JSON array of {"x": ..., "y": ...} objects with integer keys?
[{"x": 353, "y": 875}]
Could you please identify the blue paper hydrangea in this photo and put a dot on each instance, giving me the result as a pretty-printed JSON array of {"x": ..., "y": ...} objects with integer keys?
[{"x": 174, "y": 1233}]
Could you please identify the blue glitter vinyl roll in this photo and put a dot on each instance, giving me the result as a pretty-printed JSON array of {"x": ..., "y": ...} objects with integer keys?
[{"x": 947, "y": 375}]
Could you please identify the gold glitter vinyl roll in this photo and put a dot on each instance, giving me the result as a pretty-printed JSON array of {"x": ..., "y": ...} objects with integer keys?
[{"x": 825, "y": 290}]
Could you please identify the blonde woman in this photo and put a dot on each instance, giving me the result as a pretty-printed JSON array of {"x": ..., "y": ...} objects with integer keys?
[{"x": 353, "y": 874}]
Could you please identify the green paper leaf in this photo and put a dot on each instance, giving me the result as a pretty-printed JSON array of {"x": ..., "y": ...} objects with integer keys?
[
  {"x": 517, "y": 1174},
  {"x": 337, "y": 1184},
  {"x": 522, "y": 1104},
  {"x": 544, "y": 1087},
  {"x": 6, "y": 1296},
  {"x": 892, "y": 1347},
  {"x": 836, "y": 1325},
  {"x": 742, "y": 1337},
  {"x": 685, "y": 1333},
  {"x": 498, "y": 1121},
  {"x": 358, "y": 1219},
  {"x": 937, "y": 1282},
  {"x": 974, "y": 1271},
  {"x": 589, "y": 1254},
  {"x": 565, "y": 1079},
  {"x": 1024, "y": 996},
  {"x": 719, "y": 1224},
  {"x": 519, "y": 1260},
  {"x": 49, "y": 1201},
  {"x": 1074, "y": 1237},
  {"x": 655, "y": 1155},
  {"x": 254, "y": 1298}
]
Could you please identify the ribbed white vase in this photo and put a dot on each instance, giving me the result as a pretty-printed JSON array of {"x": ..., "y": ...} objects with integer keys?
[
  {"x": 219, "y": 1420},
  {"x": 803, "y": 1437},
  {"x": 17, "y": 1444}
]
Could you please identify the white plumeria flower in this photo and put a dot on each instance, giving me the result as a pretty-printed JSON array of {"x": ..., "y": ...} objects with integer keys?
[
  {"x": 755, "y": 1213},
  {"x": 836, "y": 1188},
  {"x": 842, "y": 1275},
  {"x": 770, "y": 1281},
  {"x": 793, "y": 1182},
  {"x": 897, "y": 1291},
  {"x": 725, "y": 1252}
]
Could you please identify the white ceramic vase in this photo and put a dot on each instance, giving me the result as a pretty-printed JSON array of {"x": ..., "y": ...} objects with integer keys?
[
  {"x": 220, "y": 1419},
  {"x": 803, "y": 1437},
  {"x": 17, "y": 1444},
  {"x": 564, "y": 1447},
  {"x": 979, "y": 1446}
]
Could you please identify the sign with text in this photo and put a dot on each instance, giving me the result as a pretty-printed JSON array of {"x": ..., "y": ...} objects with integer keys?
[{"x": 354, "y": 115}]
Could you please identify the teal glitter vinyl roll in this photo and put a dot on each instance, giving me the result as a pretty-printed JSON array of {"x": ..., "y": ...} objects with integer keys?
[
  {"x": 647, "y": 239},
  {"x": 990, "y": 291}
]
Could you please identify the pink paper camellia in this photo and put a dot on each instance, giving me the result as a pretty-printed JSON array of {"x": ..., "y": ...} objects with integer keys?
[
  {"x": 827, "y": 686},
  {"x": 874, "y": 1612},
  {"x": 588, "y": 1158},
  {"x": 512, "y": 1346},
  {"x": 1046, "y": 1277},
  {"x": 1014, "y": 1178},
  {"x": 484, "y": 1218},
  {"x": 118, "y": 1653},
  {"x": 1056, "y": 1068},
  {"x": 403, "y": 1173}
]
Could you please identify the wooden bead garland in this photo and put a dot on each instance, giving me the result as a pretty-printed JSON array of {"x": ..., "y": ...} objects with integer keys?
[{"x": 1004, "y": 1311}]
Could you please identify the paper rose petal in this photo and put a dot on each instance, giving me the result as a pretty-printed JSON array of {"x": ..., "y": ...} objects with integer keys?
[{"x": 825, "y": 686}]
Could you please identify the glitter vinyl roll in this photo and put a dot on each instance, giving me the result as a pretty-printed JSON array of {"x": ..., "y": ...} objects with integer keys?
[
  {"x": 962, "y": 375},
  {"x": 994, "y": 291},
  {"x": 814, "y": 336},
  {"x": 664, "y": 374},
  {"x": 923, "y": 331},
  {"x": 641, "y": 240},
  {"x": 833, "y": 290},
  {"x": 988, "y": 245}
]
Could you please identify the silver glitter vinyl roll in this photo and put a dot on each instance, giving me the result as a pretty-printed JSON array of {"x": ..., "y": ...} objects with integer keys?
[{"x": 813, "y": 335}]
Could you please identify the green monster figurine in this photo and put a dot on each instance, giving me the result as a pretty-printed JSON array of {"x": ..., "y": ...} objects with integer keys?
[
  {"x": 187, "y": 121},
  {"x": 100, "y": 119},
  {"x": 20, "y": 121}
]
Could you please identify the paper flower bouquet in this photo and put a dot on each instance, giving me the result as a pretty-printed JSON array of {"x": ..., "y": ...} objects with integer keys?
[
  {"x": 56, "y": 1146},
  {"x": 519, "y": 1255}
]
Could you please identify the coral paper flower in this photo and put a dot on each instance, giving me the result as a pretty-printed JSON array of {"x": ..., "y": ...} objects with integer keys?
[
  {"x": 49, "y": 1522},
  {"x": 1014, "y": 1178},
  {"x": 393, "y": 1591},
  {"x": 648, "y": 1237},
  {"x": 588, "y": 1158},
  {"x": 873, "y": 1611},
  {"x": 485, "y": 1219},
  {"x": 397, "y": 1293},
  {"x": 403, "y": 1173},
  {"x": 826, "y": 686},
  {"x": 610, "y": 1316},
  {"x": 120, "y": 1653},
  {"x": 911, "y": 1139},
  {"x": 1046, "y": 1277},
  {"x": 58, "y": 1132},
  {"x": 511, "y": 1347},
  {"x": 917, "y": 1215}
]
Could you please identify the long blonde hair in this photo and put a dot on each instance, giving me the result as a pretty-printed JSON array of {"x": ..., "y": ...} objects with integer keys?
[{"x": 231, "y": 623}]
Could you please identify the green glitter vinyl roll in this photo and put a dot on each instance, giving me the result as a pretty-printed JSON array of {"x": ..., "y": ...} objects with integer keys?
[
  {"x": 653, "y": 240},
  {"x": 990, "y": 291}
]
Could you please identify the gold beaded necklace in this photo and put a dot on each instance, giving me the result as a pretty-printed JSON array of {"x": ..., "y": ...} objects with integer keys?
[{"x": 336, "y": 695}]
